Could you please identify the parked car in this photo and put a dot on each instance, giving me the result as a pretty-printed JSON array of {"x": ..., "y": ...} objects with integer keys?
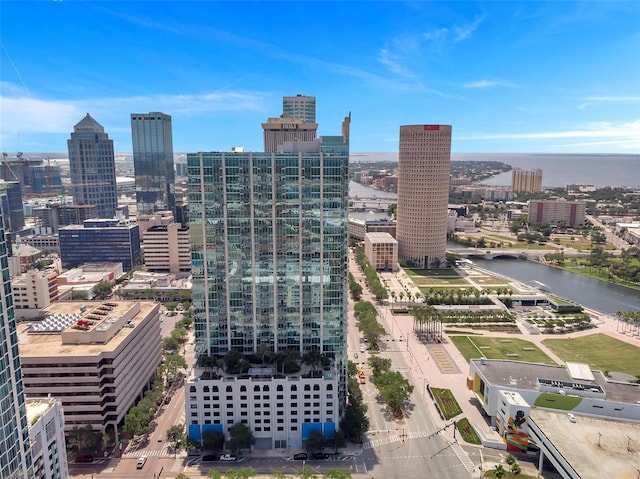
[
  {"x": 301, "y": 456},
  {"x": 209, "y": 458},
  {"x": 571, "y": 417},
  {"x": 84, "y": 458},
  {"x": 167, "y": 399},
  {"x": 320, "y": 455},
  {"x": 228, "y": 457}
]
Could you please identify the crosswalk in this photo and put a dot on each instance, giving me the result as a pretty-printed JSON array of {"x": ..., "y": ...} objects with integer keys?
[
  {"x": 164, "y": 452},
  {"x": 463, "y": 456}
]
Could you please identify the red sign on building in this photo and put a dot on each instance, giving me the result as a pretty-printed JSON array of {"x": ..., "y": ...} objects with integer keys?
[{"x": 432, "y": 127}]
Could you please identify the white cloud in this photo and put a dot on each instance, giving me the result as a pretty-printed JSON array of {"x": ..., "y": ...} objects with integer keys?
[
  {"x": 24, "y": 116},
  {"x": 624, "y": 136},
  {"x": 488, "y": 84},
  {"x": 588, "y": 101},
  {"x": 462, "y": 33},
  {"x": 438, "y": 34},
  {"x": 393, "y": 64}
]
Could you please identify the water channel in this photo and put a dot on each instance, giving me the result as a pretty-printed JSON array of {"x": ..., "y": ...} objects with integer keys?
[
  {"x": 589, "y": 292},
  {"x": 592, "y": 293}
]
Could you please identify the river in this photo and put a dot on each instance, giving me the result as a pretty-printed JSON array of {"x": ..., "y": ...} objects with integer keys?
[
  {"x": 592, "y": 293},
  {"x": 589, "y": 292}
]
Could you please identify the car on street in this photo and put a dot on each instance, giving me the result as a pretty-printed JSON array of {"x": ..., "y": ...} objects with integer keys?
[
  {"x": 355, "y": 355},
  {"x": 210, "y": 458},
  {"x": 301, "y": 456},
  {"x": 362, "y": 349},
  {"x": 571, "y": 417},
  {"x": 83, "y": 459},
  {"x": 320, "y": 455},
  {"x": 141, "y": 462},
  {"x": 228, "y": 457}
]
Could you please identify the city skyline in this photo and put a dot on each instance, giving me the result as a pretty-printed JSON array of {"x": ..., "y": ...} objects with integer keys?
[{"x": 542, "y": 77}]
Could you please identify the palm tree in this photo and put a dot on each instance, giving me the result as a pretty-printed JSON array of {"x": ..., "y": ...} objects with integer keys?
[
  {"x": 516, "y": 469},
  {"x": 499, "y": 471}
]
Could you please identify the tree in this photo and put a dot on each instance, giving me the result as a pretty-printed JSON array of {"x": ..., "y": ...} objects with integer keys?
[
  {"x": 84, "y": 439},
  {"x": 170, "y": 343},
  {"x": 338, "y": 440},
  {"x": 510, "y": 460},
  {"x": 213, "y": 474},
  {"x": 172, "y": 363},
  {"x": 240, "y": 437},
  {"x": 315, "y": 442},
  {"x": 394, "y": 390},
  {"x": 103, "y": 290},
  {"x": 182, "y": 475},
  {"x": 177, "y": 437},
  {"x": 212, "y": 440},
  {"x": 379, "y": 365},
  {"x": 79, "y": 295},
  {"x": 516, "y": 469},
  {"x": 242, "y": 473},
  {"x": 337, "y": 474},
  {"x": 313, "y": 358},
  {"x": 499, "y": 471}
]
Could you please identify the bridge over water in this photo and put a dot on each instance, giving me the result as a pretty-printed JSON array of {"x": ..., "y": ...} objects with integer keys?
[{"x": 492, "y": 253}]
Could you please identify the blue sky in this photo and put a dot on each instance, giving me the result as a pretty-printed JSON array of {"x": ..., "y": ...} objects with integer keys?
[{"x": 509, "y": 76}]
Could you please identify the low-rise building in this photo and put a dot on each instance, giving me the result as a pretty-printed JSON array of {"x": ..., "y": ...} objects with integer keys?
[
  {"x": 46, "y": 434},
  {"x": 167, "y": 248},
  {"x": 357, "y": 228},
  {"x": 381, "y": 249},
  {"x": 33, "y": 291},
  {"x": 96, "y": 357},
  {"x": 280, "y": 409},
  {"x": 558, "y": 212}
]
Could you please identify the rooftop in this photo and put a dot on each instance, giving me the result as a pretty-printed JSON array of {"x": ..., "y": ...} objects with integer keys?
[
  {"x": 522, "y": 375},
  {"x": 62, "y": 335},
  {"x": 36, "y": 408},
  {"x": 595, "y": 448}
]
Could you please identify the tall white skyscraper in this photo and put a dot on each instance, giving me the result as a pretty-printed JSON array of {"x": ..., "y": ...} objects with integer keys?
[
  {"x": 153, "y": 162},
  {"x": 92, "y": 167},
  {"x": 15, "y": 458},
  {"x": 424, "y": 166}
]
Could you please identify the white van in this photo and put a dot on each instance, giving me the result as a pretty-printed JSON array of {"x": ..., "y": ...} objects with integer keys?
[
  {"x": 141, "y": 462},
  {"x": 362, "y": 349}
]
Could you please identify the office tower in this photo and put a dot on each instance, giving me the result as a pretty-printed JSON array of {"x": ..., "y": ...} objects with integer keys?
[
  {"x": 153, "y": 162},
  {"x": 15, "y": 459},
  {"x": 297, "y": 123},
  {"x": 526, "y": 181},
  {"x": 300, "y": 107},
  {"x": 12, "y": 205},
  {"x": 423, "y": 193},
  {"x": 269, "y": 266},
  {"x": 92, "y": 167},
  {"x": 100, "y": 241}
]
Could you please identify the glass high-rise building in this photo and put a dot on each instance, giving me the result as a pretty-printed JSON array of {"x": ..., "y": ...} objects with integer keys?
[
  {"x": 269, "y": 265},
  {"x": 153, "y": 162},
  {"x": 301, "y": 107},
  {"x": 424, "y": 167},
  {"x": 15, "y": 459},
  {"x": 92, "y": 167}
]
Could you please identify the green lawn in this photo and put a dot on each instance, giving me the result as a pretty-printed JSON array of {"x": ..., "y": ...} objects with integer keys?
[
  {"x": 446, "y": 402},
  {"x": 557, "y": 401},
  {"x": 436, "y": 272},
  {"x": 499, "y": 348},
  {"x": 600, "y": 351},
  {"x": 467, "y": 431}
]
